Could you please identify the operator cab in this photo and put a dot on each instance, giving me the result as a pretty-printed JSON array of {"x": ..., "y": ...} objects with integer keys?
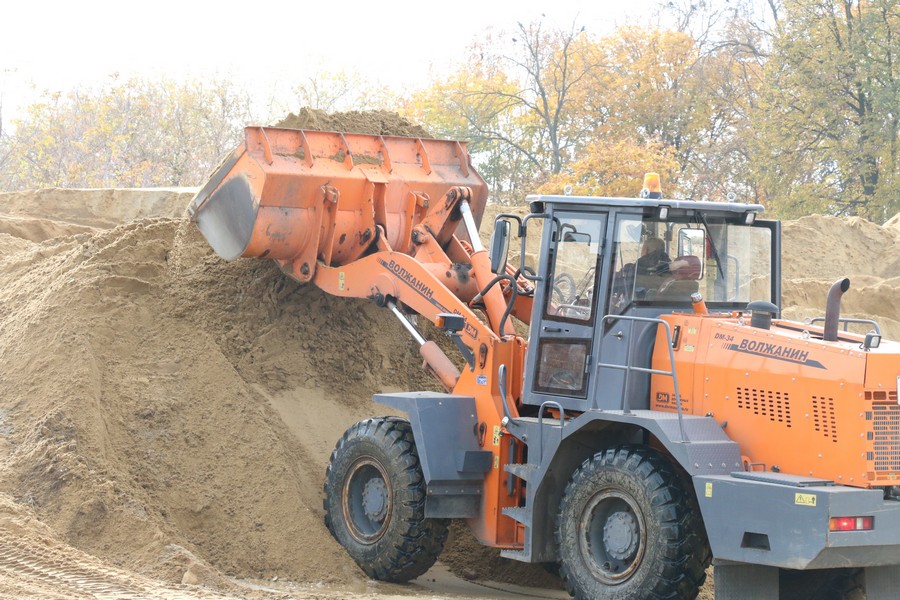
[{"x": 610, "y": 262}]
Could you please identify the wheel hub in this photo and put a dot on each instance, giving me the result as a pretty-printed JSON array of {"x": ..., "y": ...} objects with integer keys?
[
  {"x": 613, "y": 536},
  {"x": 620, "y": 535},
  {"x": 375, "y": 499},
  {"x": 366, "y": 500}
]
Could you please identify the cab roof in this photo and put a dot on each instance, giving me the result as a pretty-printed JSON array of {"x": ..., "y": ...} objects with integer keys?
[{"x": 679, "y": 206}]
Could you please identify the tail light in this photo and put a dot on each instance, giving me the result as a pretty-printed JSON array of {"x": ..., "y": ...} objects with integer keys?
[{"x": 851, "y": 523}]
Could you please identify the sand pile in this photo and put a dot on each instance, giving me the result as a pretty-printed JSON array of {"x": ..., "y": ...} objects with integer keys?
[
  {"x": 376, "y": 122},
  {"x": 96, "y": 208},
  {"x": 35, "y": 563},
  {"x": 148, "y": 391},
  {"x": 818, "y": 247},
  {"x": 818, "y": 250}
]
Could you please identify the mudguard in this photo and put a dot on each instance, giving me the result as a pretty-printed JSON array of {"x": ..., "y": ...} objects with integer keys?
[{"x": 453, "y": 463}]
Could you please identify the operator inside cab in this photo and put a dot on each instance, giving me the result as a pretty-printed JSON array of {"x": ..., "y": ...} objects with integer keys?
[
  {"x": 650, "y": 271},
  {"x": 654, "y": 260}
]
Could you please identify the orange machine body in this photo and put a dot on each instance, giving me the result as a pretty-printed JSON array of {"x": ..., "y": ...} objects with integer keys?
[{"x": 792, "y": 402}]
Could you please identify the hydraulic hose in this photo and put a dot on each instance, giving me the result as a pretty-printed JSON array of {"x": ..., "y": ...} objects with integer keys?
[{"x": 512, "y": 301}]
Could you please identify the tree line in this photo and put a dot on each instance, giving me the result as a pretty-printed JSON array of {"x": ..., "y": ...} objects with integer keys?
[{"x": 793, "y": 104}]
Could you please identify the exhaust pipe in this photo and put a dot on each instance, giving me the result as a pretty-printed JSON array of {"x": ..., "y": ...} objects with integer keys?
[{"x": 833, "y": 309}]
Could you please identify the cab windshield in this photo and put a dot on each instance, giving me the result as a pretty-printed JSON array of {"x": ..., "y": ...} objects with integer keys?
[{"x": 665, "y": 262}]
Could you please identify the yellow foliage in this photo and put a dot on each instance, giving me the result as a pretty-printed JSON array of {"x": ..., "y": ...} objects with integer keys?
[
  {"x": 615, "y": 169},
  {"x": 131, "y": 133}
]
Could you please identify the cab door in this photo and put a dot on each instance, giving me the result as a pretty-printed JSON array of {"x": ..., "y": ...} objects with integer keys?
[
  {"x": 561, "y": 349},
  {"x": 622, "y": 340}
]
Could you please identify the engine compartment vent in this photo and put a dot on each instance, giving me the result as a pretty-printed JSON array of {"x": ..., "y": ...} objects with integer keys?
[
  {"x": 823, "y": 417},
  {"x": 773, "y": 405},
  {"x": 885, "y": 438}
]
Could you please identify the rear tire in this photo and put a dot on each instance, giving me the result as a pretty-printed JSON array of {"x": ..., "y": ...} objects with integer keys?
[
  {"x": 375, "y": 501},
  {"x": 629, "y": 530}
]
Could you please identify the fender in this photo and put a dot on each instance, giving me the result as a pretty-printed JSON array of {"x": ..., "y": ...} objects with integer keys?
[
  {"x": 555, "y": 450},
  {"x": 453, "y": 463}
]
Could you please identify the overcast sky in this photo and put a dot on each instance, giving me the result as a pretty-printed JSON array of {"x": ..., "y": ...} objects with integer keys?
[{"x": 50, "y": 45}]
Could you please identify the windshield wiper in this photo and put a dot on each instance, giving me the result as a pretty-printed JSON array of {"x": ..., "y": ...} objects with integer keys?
[{"x": 712, "y": 244}]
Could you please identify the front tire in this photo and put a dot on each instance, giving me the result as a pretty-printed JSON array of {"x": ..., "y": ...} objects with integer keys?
[
  {"x": 375, "y": 501},
  {"x": 629, "y": 530}
]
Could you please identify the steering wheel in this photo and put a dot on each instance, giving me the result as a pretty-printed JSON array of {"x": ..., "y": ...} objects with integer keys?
[
  {"x": 565, "y": 380},
  {"x": 564, "y": 289}
]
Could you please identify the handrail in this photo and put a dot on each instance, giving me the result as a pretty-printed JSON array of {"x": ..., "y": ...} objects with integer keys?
[
  {"x": 628, "y": 368},
  {"x": 846, "y": 321},
  {"x": 501, "y": 384}
]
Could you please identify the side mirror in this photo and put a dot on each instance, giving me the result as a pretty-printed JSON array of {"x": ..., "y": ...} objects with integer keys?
[
  {"x": 691, "y": 241},
  {"x": 499, "y": 246}
]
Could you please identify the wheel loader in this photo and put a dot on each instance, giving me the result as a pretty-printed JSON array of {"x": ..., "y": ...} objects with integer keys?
[{"x": 658, "y": 416}]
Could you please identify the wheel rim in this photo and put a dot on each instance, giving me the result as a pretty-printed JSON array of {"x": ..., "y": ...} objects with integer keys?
[
  {"x": 613, "y": 537},
  {"x": 367, "y": 501}
]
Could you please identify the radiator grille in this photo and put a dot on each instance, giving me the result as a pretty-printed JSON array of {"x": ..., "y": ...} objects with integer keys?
[
  {"x": 823, "y": 417},
  {"x": 885, "y": 419},
  {"x": 766, "y": 403}
]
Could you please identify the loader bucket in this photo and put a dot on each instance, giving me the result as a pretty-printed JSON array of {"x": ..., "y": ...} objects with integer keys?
[{"x": 303, "y": 197}]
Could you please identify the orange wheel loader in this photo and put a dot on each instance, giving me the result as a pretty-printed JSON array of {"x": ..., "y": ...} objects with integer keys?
[{"x": 659, "y": 416}]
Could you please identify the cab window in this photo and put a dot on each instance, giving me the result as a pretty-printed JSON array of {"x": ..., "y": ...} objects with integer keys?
[{"x": 577, "y": 244}]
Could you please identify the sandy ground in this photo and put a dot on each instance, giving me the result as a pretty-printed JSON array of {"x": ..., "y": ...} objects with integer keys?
[
  {"x": 166, "y": 417},
  {"x": 35, "y": 563}
]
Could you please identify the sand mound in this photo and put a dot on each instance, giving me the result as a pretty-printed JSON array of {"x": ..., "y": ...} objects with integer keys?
[
  {"x": 893, "y": 223},
  {"x": 149, "y": 390},
  {"x": 35, "y": 563},
  {"x": 818, "y": 250},
  {"x": 38, "y": 230},
  {"x": 95, "y": 208},
  {"x": 11, "y": 244},
  {"x": 820, "y": 246},
  {"x": 371, "y": 122}
]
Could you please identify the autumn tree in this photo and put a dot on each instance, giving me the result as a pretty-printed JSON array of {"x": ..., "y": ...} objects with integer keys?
[
  {"x": 655, "y": 95},
  {"x": 652, "y": 90},
  {"x": 457, "y": 108},
  {"x": 614, "y": 168},
  {"x": 512, "y": 99},
  {"x": 5, "y": 145},
  {"x": 340, "y": 90},
  {"x": 129, "y": 133},
  {"x": 828, "y": 123}
]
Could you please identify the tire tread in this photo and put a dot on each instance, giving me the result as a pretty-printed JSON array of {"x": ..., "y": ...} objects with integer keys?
[
  {"x": 685, "y": 551},
  {"x": 415, "y": 544}
]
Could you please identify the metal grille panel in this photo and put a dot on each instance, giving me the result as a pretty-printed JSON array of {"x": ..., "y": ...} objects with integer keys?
[
  {"x": 773, "y": 405},
  {"x": 823, "y": 417},
  {"x": 885, "y": 438}
]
